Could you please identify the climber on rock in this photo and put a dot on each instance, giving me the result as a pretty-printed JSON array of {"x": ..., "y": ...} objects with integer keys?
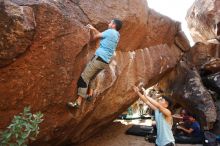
[{"x": 108, "y": 43}]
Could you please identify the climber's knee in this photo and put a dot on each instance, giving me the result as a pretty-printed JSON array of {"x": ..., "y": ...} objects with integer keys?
[{"x": 81, "y": 83}]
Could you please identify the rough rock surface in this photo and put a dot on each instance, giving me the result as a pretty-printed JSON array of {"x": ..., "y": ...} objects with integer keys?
[
  {"x": 201, "y": 53},
  {"x": 212, "y": 66},
  {"x": 203, "y": 20},
  {"x": 182, "y": 42},
  {"x": 216, "y": 130},
  {"x": 17, "y": 27},
  {"x": 44, "y": 76},
  {"x": 186, "y": 88},
  {"x": 213, "y": 82}
]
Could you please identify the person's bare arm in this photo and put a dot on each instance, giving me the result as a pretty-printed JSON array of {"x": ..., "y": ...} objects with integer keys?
[
  {"x": 142, "y": 97},
  {"x": 177, "y": 116},
  {"x": 96, "y": 33},
  {"x": 162, "y": 109},
  {"x": 190, "y": 130}
]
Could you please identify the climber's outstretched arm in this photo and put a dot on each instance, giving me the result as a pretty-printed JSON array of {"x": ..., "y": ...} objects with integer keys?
[
  {"x": 96, "y": 34},
  {"x": 162, "y": 109},
  {"x": 142, "y": 97}
]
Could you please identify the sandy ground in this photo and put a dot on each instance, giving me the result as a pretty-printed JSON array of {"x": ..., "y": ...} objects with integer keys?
[{"x": 114, "y": 135}]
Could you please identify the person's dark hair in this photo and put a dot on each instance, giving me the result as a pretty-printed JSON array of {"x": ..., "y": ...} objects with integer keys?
[
  {"x": 168, "y": 100},
  {"x": 118, "y": 24},
  {"x": 192, "y": 115}
]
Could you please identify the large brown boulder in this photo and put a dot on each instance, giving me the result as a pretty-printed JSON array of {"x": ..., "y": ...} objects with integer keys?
[
  {"x": 203, "y": 20},
  {"x": 45, "y": 75}
]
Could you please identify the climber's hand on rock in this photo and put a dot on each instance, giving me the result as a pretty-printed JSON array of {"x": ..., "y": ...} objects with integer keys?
[
  {"x": 90, "y": 26},
  {"x": 144, "y": 91}
]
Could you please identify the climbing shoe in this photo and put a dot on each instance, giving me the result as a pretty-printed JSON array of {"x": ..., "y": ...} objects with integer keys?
[
  {"x": 89, "y": 98},
  {"x": 73, "y": 105}
]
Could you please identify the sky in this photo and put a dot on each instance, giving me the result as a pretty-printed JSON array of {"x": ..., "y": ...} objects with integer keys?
[{"x": 175, "y": 9}]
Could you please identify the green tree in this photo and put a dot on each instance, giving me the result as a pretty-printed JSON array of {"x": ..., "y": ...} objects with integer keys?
[{"x": 23, "y": 128}]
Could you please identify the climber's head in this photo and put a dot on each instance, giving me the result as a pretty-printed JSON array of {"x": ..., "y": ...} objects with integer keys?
[
  {"x": 115, "y": 24},
  {"x": 164, "y": 101}
]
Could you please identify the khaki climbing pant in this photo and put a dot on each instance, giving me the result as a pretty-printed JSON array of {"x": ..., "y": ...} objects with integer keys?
[{"x": 95, "y": 65}]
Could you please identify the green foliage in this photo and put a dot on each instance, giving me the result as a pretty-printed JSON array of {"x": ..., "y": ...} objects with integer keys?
[{"x": 23, "y": 128}]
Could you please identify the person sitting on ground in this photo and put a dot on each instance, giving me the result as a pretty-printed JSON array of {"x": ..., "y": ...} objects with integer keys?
[
  {"x": 108, "y": 43},
  {"x": 191, "y": 134},
  {"x": 163, "y": 117},
  {"x": 194, "y": 127}
]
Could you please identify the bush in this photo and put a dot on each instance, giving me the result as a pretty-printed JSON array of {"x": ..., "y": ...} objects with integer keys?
[{"x": 22, "y": 129}]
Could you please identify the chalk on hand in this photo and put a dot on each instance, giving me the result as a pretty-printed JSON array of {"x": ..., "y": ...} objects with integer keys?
[{"x": 140, "y": 85}]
